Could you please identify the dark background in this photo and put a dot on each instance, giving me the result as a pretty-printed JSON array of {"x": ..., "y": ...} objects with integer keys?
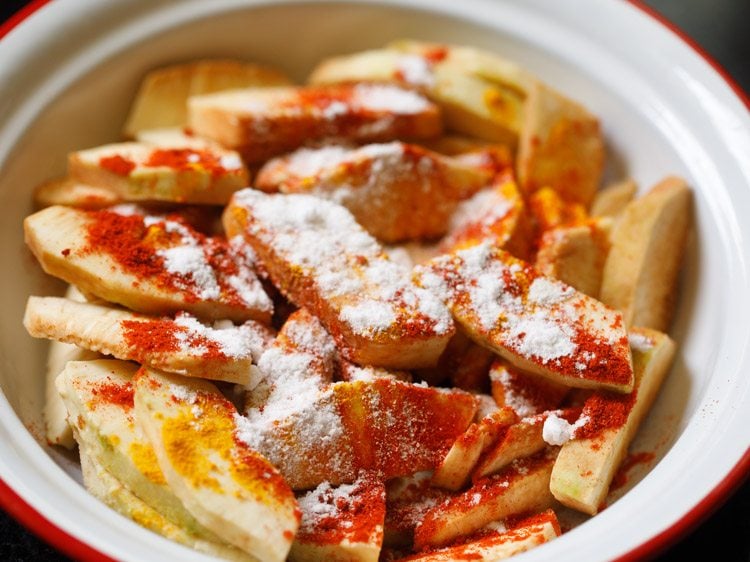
[{"x": 722, "y": 29}]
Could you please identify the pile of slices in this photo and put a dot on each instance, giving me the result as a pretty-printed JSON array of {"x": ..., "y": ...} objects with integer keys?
[{"x": 389, "y": 314}]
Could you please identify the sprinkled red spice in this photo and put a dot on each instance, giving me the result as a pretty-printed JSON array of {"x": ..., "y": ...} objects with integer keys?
[
  {"x": 66, "y": 252},
  {"x": 147, "y": 337},
  {"x": 428, "y": 422},
  {"x": 353, "y": 517},
  {"x": 117, "y": 164},
  {"x": 182, "y": 159},
  {"x": 135, "y": 247},
  {"x": 115, "y": 393},
  {"x": 605, "y": 410}
]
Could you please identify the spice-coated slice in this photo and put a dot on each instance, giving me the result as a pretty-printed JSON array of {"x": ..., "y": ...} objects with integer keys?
[
  {"x": 454, "y": 470},
  {"x": 341, "y": 522},
  {"x": 508, "y": 540},
  {"x": 321, "y": 258},
  {"x": 228, "y": 487},
  {"x": 517, "y": 440},
  {"x": 497, "y": 214},
  {"x": 408, "y": 499},
  {"x": 575, "y": 255},
  {"x": 396, "y": 191},
  {"x": 522, "y": 487},
  {"x": 648, "y": 244},
  {"x": 153, "y": 265},
  {"x": 539, "y": 324},
  {"x": 479, "y": 93},
  {"x": 329, "y": 433},
  {"x": 525, "y": 393},
  {"x": 561, "y": 146},
  {"x": 262, "y": 123},
  {"x": 183, "y": 173},
  {"x": 104, "y": 486},
  {"x": 180, "y": 345},
  {"x": 290, "y": 416},
  {"x": 99, "y": 398},
  {"x": 587, "y": 463},
  {"x": 161, "y": 100}
]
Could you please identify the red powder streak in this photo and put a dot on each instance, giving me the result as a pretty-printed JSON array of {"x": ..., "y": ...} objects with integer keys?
[
  {"x": 362, "y": 511},
  {"x": 134, "y": 247},
  {"x": 183, "y": 159},
  {"x": 605, "y": 410},
  {"x": 633, "y": 459},
  {"x": 148, "y": 337},
  {"x": 117, "y": 164},
  {"x": 118, "y": 394}
]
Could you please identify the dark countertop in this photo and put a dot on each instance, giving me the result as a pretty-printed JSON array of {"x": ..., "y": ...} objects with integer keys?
[{"x": 721, "y": 28}]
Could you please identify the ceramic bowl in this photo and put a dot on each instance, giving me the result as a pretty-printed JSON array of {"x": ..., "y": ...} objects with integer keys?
[{"x": 69, "y": 71}]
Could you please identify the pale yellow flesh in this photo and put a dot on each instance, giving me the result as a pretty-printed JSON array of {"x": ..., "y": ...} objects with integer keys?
[
  {"x": 100, "y": 329},
  {"x": 110, "y": 435},
  {"x": 254, "y": 516},
  {"x": 104, "y": 486},
  {"x": 648, "y": 244}
]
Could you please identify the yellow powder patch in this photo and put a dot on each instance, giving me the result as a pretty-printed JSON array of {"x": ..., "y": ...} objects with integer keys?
[
  {"x": 144, "y": 458},
  {"x": 193, "y": 441}
]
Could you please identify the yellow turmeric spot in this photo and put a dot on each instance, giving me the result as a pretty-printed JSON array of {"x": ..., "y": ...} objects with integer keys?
[
  {"x": 195, "y": 443},
  {"x": 144, "y": 458}
]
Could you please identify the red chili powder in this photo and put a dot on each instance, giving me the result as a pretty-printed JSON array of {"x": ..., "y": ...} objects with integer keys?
[
  {"x": 118, "y": 394},
  {"x": 117, "y": 164},
  {"x": 355, "y": 518},
  {"x": 147, "y": 337},
  {"x": 605, "y": 410},
  {"x": 134, "y": 246},
  {"x": 182, "y": 159}
]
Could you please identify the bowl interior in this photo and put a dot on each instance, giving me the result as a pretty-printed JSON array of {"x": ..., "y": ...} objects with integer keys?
[{"x": 80, "y": 98}]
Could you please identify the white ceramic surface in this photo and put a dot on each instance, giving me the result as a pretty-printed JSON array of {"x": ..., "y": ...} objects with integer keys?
[{"x": 68, "y": 73}]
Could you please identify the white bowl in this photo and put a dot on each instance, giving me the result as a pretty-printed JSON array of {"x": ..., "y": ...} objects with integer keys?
[{"x": 69, "y": 72}]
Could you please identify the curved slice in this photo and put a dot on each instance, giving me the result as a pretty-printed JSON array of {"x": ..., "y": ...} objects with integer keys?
[
  {"x": 228, "y": 487},
  {"x": 153, "y": 265},
  {"x": 181, "y": 345},
  {"x": 104, "y": 486}
]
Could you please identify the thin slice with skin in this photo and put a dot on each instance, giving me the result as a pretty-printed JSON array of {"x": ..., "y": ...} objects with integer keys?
[
  {"x": 74, "y": 193},
  {"x": 586, "y": 465},
  {"x": 231, "y": 489},
  {"x": 524, "y": 534},
  {"x": 181, "y": 345},
  {"x": 102, "y": 485},
  {"x": 261, "y": 123},
  {"x": 537, "y": 323},
  {"x": 99, "y": 398},
  {"x": 153, "y": 265},
  {"x": 161, "y": 100},
  {"x": 516, "y": 441},
  {"x": 522, "y": 487},
  {"x": 184, "y": 172},
  {"x": 454, "y": 470}
]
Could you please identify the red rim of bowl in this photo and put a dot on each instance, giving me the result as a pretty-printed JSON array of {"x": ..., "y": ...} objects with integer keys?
[{"x": 17, "y": 507}]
